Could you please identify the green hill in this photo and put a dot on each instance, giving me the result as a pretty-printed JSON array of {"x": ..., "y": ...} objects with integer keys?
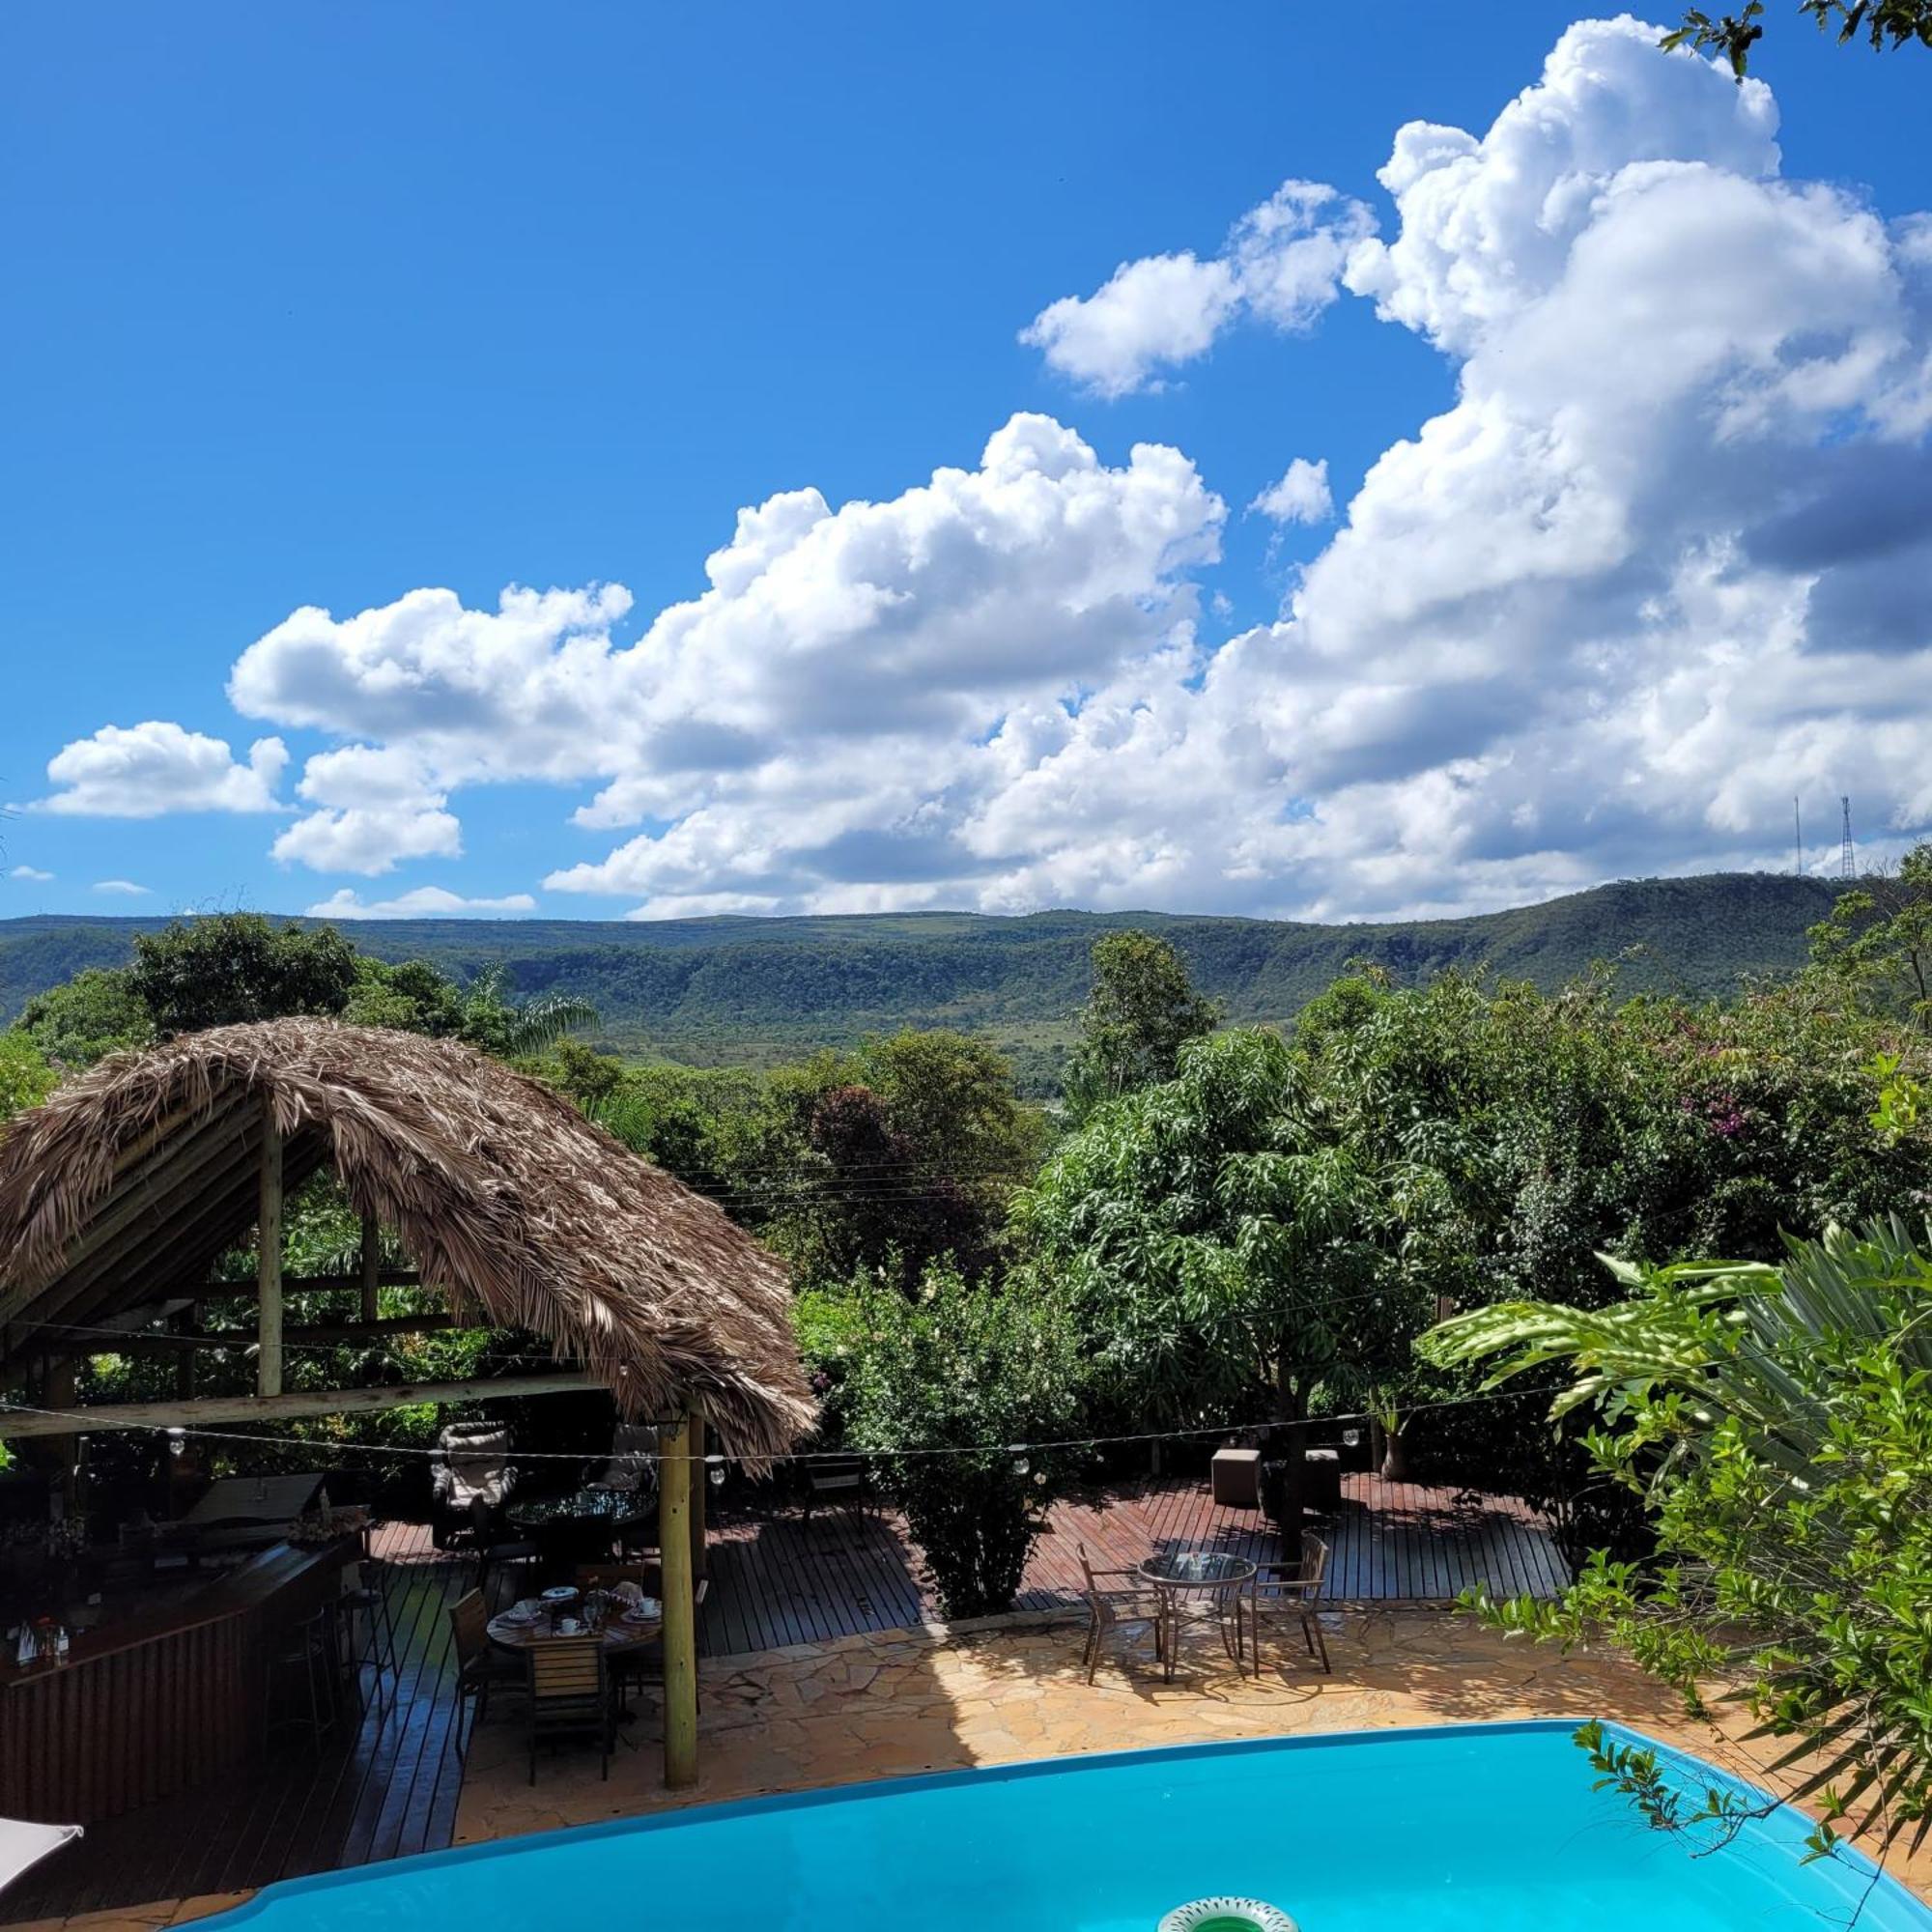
[{"x": 755, "y": 990}]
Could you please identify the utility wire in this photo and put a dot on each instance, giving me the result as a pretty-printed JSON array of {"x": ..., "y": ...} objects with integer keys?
[{"x": 902, "y": 1453}]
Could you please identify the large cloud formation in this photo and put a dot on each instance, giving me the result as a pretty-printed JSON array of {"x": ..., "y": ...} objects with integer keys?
[{"x": 1659, "y": 566}]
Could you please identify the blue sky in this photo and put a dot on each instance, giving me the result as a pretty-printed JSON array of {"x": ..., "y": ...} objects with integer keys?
[{"x": 324, "y": 310}]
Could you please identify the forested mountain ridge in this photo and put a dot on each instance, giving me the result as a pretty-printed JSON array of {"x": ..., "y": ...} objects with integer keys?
[{"x": 717, "y": 990}]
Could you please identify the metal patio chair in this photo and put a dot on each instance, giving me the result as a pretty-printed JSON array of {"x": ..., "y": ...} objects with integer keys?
[{"x": 1289, "y": 1595}]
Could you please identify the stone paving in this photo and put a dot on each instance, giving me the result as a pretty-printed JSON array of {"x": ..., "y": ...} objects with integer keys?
[
  {"x": 897, "y": 1702},
  {"x": 900, "y": 1702}
]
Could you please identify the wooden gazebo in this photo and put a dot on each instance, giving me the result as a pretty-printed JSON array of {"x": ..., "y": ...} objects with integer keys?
[{"x": 119, "y": 1194}]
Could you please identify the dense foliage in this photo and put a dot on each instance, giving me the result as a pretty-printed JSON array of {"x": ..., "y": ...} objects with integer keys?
[
  {"x": 959, "y": 1367},
  {"x": 1142, "y": 1011},
  {"x": 1262, "y": 1235},
  {"x": 763, "y": 992},
  {"x": 1878, "y": 940},
  {"x": 228, "y": 967},
  {"x": 1237, "y": 1226},
  {"x": 1228, "y": 1258},
  {"x": 884, "y": 1159},
  {"x": 1777, "y": 1425}
]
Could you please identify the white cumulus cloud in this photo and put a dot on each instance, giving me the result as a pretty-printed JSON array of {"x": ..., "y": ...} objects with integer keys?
[
  {"x": 121, "y": 889},
  {"x": 377, "y": 806},
  {"x": 30, "y": 873},
  {"x": 421, "y": 902},
  {"x": 1300, "y": 494},
  {"x": 1282, "y": 265},
  {"x": 143, "y": 771}
]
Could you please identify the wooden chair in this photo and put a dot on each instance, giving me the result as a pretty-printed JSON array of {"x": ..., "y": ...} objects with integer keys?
[
  {"x": 480, "y": 1667},
  {"x": 1285, "y": 1593},
  {"x": 570, "y": 1693},
  {"x": 1120, "y": 1603},
  {"x": 641, "y": 1669},
  {"x": 836, "y": 1479}
]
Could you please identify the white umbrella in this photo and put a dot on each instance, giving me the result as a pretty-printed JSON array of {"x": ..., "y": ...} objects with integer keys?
[{"x": 23, "y": 1844}]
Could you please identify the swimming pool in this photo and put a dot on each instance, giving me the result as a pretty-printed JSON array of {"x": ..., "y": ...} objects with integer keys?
[{"x": 1490, "y": 1826}]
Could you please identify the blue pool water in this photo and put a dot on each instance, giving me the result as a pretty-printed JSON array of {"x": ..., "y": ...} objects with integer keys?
[{"x": 1490, "y": 1826}]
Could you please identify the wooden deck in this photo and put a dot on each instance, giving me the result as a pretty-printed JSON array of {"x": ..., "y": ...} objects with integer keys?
[
  {"x": 779, "y": 1579},
  {"x": 392, "y": 1788}
]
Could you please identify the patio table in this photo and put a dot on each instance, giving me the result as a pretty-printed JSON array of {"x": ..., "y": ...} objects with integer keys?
[
  {"x": 620, "y": 1634},
  {"x": 580, "y": 1527},
  {"x": 1210, "y": 1579}
]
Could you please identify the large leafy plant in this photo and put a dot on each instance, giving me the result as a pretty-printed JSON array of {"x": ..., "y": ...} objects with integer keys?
[
  {"x": 944, "y": 1389},
  {"x": 1777, "y": 1421}
]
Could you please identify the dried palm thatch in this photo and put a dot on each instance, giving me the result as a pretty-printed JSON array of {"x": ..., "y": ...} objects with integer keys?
[{"x": 125, "y": 1186}]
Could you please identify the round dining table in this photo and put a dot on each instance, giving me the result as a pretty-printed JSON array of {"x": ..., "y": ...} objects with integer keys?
[
  {"x": 582, "y": 1525},
  {"x": 620, "y": 1634},
  {"x": 1190, "y": 1584}
]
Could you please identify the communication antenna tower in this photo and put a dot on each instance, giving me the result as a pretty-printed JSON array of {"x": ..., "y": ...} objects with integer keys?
[
  {"x": 1848, "y": 864},
  {"x": 1798, "y": 835}
]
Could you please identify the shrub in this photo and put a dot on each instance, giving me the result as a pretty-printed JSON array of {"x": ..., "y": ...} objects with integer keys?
[{"x": 967, "y": 1368}]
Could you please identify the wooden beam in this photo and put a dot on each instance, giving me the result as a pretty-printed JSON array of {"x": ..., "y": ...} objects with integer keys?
[
  {"x": 680, "y": 1607},
  {"x": 190, "y": 1324},
  {"x": 309, "y": 1284},
  {"x": 268, "y": 1258},
  {"x": 372, "y": 1266},
  {"x": 180, "y": 1250},
  {"x": 138, "y": 1198},
  {"x": 209, "y": 1410},
  {"x": 324, "y": 1334},
  {"x": 700, "y": 1491}
]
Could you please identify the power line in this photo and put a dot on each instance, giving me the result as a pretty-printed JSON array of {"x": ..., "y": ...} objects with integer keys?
[{"x": 905, "y": 1452}]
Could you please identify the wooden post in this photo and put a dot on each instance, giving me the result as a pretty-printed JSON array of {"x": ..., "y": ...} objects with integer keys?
[
  {"x": 62, "y": 1451},
  {"x": 701, "y": 1490},
  {"x": 268, "y": 1258},
  {"x": 188, "y": 1321},
  {"x": 372, "y": 1266},
  {"x": 680, "y": 1607}
]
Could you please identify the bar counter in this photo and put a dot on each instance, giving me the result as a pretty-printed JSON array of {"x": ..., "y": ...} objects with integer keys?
[{"x": 154, "y": 1703}]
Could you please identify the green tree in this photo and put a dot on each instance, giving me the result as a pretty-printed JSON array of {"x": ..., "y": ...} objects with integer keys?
[
  {"x": 230, "y": 967},
  {"x": 411, "y": 996},
  {"x": 588, "y": 1077},
  {"x": 94, "y": 1013},
  {"x": 953, "y": 1100},
  {"x": 1879, "y": 939},
  {"x": 518, "y": 1028},
  {"x": 1227, "y": 1254},
  {"x": 1141, "y": 1011},
  {"x": 1776, "y": 1422},
  {"x": 25, "y": 1077},
  {"x": 974, "y": 1371},
  {"x": 1883, "y": 24}
]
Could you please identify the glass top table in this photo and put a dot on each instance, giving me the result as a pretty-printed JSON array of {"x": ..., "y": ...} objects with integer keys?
[
  {"x": 589, "y": 1505},
  {"x": 1196, "y": 1586},
  {"x": 1197, "y": 1570}
]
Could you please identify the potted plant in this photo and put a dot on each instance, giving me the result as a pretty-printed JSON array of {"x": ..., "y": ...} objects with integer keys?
[{"x": 1390, "y": 1448}]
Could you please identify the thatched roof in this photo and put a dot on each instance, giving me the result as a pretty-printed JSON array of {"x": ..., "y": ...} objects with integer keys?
[{"x": 125, "y": 1186}]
